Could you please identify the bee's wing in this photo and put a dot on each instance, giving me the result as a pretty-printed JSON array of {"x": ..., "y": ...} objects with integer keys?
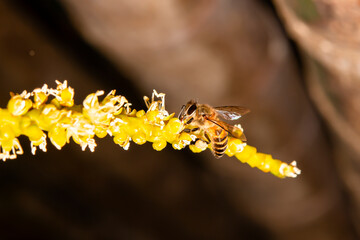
[
  {"x": 231, "y": 112},
  {"x": 234, "y": 131}
]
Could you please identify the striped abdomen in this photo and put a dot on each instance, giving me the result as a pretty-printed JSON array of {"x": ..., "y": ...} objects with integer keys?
[{"x": 219, "y": 141}]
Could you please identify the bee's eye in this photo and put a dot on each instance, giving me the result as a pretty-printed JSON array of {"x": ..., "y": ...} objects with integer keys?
[{"x": 191, "y": 109}]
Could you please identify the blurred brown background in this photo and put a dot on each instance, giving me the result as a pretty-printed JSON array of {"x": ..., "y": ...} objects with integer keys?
[{"x": 294, "y": 63}]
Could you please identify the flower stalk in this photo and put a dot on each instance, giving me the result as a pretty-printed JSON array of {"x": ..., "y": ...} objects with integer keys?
[{"x": 51, "y": 113}]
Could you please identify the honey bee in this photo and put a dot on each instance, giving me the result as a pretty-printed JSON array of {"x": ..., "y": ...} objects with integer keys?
[{"x": 203, "y": 120}]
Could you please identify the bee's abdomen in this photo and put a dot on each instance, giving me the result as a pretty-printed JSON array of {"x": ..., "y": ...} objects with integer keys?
[{"x": 219, "y": 142}]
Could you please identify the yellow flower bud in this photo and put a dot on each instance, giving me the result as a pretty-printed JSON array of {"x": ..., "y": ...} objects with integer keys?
[
  {"x": 56, "y": 103},
  {"x": 7, "y": 137},
  {"x": 234, "y": 146},
  {"x": 178, "y": 145},
  {"x": 185, "y": 137},
  {"x": 139, "y": 138},
  {"x": 58, "y": 136},
  {"x": 152, "y": 116},
  {"x": 140, "y": 113},
  {"x": 173, "y": 126},
  {"x": 159, "y": 145},
  {"x": 18, "y": 105},
  {"x": 67, "y": 96},
  {"x": 246, "y": 153},
  {"x": 120, "y": 137},
  {"x": 6, "y": 133},
  {"x": 275, "y": 166},
  {"x": 100, "y": 131},
  {"x": 7, "y": 145},
  {"x": 39, "y": 98},
  {"x": 33, "y": 132}
]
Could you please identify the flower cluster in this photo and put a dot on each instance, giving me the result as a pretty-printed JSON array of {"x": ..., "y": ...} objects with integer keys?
[{"x": 47, "y": 112}]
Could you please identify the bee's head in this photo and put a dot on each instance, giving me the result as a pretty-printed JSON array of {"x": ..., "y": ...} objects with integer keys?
[{"x": 188, "y": 112}]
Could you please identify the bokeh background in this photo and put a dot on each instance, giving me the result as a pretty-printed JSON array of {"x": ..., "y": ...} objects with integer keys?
[{"x": 294, "y": 63}]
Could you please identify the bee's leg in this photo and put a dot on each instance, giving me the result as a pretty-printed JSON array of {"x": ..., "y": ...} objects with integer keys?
[
  {"x": 207, "y": 138},
  {"x": 187, "y": 130},
  {"x": 194, "y": 130}
]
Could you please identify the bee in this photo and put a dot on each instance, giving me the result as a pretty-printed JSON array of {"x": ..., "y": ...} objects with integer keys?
[{"x": 204, "y": 121}]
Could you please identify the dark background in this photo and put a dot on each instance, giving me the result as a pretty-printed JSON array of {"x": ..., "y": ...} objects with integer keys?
[{"x": 219, "y": 52}]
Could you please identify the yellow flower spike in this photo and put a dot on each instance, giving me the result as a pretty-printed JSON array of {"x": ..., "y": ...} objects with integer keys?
[
  {"x": 52, "y": 113},
  {"x": 18, "y": 105}
]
